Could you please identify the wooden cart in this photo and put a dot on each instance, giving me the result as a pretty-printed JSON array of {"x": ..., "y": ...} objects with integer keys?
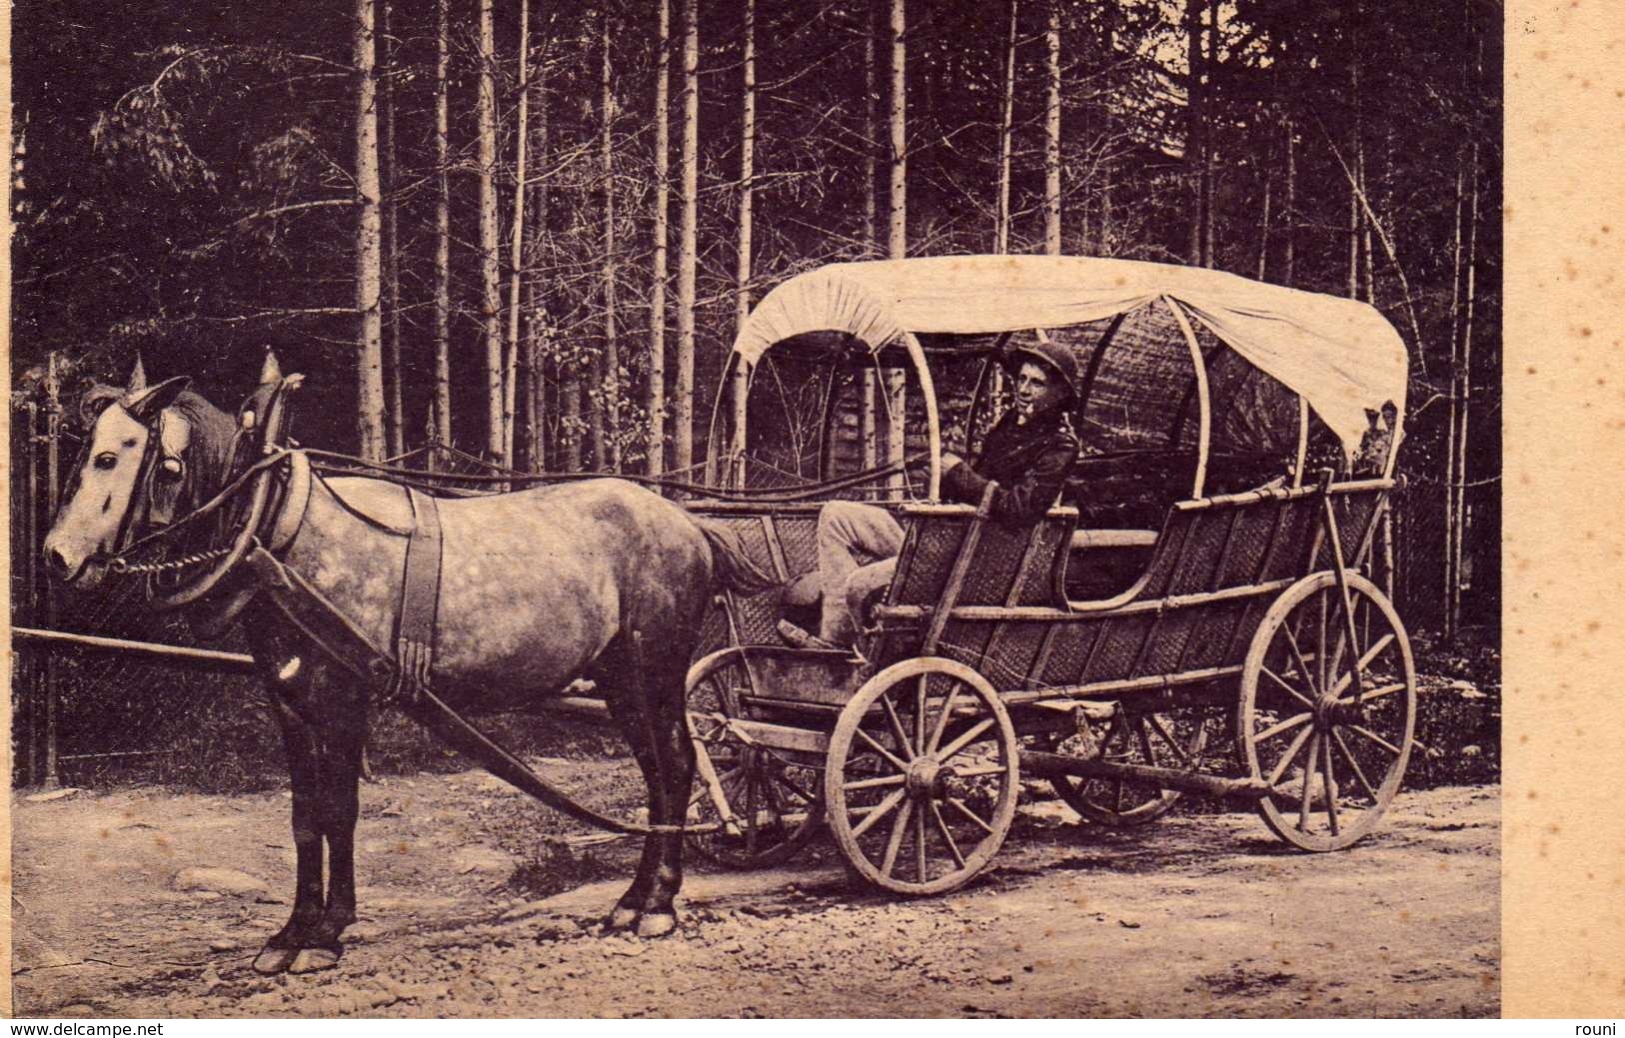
[{"x": 1253, "y": 657}]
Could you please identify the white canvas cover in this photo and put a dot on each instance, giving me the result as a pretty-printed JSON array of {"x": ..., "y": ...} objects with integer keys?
[{"x": 1340, "y": 354}]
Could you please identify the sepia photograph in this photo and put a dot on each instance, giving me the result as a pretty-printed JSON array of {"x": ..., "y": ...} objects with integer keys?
[{"x": 756, "y": 508}]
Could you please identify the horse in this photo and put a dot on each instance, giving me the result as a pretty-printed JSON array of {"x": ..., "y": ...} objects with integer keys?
[{"x": 538, "y": 588}]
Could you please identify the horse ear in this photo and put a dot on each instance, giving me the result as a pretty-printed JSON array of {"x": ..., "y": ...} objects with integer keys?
[
  {"x": 138, "y": 378},
  {"x": 95, "y": 401},
  {"x": 145, "y": 407},
  {"x": 270, "y": 371}
]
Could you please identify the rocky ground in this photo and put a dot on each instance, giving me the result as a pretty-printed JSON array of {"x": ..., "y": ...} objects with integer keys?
[{"x": 147, "y": 903}]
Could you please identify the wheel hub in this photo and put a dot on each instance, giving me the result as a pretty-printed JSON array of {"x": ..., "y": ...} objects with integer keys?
[{"x": 927, "y": 777}]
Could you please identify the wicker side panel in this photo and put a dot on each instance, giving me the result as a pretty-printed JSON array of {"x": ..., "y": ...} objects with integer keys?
[
  {"x": 1212, "y": 631},
  {"x": 1069, "y": 651},
  {"x": 1167, "y": 552},
  {"x": 992, "y": 573},
  {"x": 1199, "y": 557},
  {"x": 1354, "y": 513},
  {"x": 1037, "y": 583},
  {"x": 1249, "y": 540},
  {"x": 1120, "y": 645},
  {"x": 758, "y": 616},
  {"x": 753, "y": 533},
  {"x": 798, "y": 538},
  {"x": 936, "y": 544},
  {"x": 1293, "y": 536},
  {"x": 967, "y": 641},
  {"x": 1166, "y": 644}
]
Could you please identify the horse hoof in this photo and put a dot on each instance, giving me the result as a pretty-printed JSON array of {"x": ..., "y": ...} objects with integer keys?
[
  {"x": 312, "y": 960},
  {"x": 622, "y": 918},
  {"x": 656, "y": 924},
  {"x": 271, "y": 961}
]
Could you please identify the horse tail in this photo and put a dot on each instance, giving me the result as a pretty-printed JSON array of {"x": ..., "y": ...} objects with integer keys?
[{"x": 734, "y": 569}]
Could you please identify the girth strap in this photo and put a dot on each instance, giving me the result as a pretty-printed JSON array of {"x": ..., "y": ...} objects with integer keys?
[{"x": 420, "y": 599}]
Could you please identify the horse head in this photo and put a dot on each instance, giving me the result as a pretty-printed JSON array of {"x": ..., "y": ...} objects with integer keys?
[{"x": 150, "y": 451}]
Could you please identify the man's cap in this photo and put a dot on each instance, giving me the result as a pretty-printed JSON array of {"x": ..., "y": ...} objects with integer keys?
[{"x": 1049, "y": 354}]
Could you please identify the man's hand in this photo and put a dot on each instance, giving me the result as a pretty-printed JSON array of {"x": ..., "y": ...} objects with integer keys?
[{"x": 950, "y": 459}]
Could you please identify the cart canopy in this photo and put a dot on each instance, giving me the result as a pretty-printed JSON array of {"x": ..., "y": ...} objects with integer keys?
[{"x": 1340, "y": 355}]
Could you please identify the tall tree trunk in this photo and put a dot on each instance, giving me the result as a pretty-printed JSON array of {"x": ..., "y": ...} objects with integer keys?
[
  {"x": 368, "y": 244},
  {"x": 1289, "y": 207},
  {"x": 490, "y": 261},
  {"x": 871, "y": 208},
  {"x": 1463, "y": 391},
  {"x": 897, "y": 239},
  {"x": 516, "y": 244},
  {"x": 687, "y": 233},
  {"x": 1264, "y": 220},
  {"x": 656, "y": 398},
  {"x": 607, "y": 427},
  {"x": 1001, "y": 217},
  {"x": 747, "y": 174},
  {"x": 1193, "y": 122},
  {"x": 537, "y": 331},
  {"x": 1209, "y": 63},
  {"x": 1052, "y": 134},
  {"x": 442, "y": 227},
  {"x": 396, "y": 375}
]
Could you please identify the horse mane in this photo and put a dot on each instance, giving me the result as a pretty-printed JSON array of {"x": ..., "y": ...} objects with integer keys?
[{"x": 213, "y": 432}]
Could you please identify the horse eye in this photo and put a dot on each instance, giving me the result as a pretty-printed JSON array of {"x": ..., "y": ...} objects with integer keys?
[{"x": 106, "y": 461}]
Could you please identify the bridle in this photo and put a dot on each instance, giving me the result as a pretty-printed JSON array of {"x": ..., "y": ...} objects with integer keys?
[{"x": 241, "y": 521}]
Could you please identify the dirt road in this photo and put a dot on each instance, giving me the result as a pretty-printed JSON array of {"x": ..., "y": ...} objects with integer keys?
[{"x": 462, "y": 915}]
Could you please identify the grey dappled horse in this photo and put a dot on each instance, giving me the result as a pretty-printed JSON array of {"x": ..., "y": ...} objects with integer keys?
[{"x": 539, "y": 587}]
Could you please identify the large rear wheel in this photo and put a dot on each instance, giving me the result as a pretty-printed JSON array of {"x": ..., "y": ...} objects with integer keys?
[{"x": 1328, "y": 710}]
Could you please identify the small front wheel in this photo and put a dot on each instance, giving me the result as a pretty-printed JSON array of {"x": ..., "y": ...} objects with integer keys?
[{"x": 921, "y": 776}]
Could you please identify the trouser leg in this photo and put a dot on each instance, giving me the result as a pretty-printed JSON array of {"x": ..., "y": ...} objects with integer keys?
[{"x": 851, "y": 536}]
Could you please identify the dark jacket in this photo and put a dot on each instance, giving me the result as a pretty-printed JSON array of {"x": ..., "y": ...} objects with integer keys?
[{"x": 1029, "y": 462}]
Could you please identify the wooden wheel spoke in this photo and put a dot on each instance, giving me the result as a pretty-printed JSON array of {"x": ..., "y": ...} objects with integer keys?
[
  {"x": 1308, "y": 783},
  {"x": 1330, "y": 787},
  {"x": 942, "y": 721},
  {"x": 947, "y": 835},
  {"x": 796, "y": 791},
  {"x": 981, "y": 771},
  {"x": 1374, "y": 737},
  {"x": 959, "y": 805},
  {"x": 899, "y": 765},
  {"x": 873, "y": 783},
  {"x": 971, "y": 735},
  {"x": 1288, "y": 689},
  {"x": 1291, "y": 754},
  {"x": 881, "y": 810},
  {"x": 1320, "y": 643},
  {"x": 1354, "y": 766},
  {"x": 1364, "y": 662},
  {"x": 921, "y": 690},
  {"x": 1379, "y": 692},
  {"x": 1282, "y": 727},
  {"x": 895, "y": 842},
  {"x": 905, "y": 746},
  {"x": 1157, "y": 726},
  {"x": 1297, "y": 657},
  {"x": 921, "y": 871}
]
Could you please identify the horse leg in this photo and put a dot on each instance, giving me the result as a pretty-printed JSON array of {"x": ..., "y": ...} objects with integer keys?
[
  {"x": 299, "y": 740},
  {"x": 665, "y": 708},
  {"x": 340, "y": 805},
  {"x": 627, "y": 710}
]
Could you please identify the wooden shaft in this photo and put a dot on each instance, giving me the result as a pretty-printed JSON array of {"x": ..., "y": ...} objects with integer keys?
[
  {"x": 206, "y": 659},
  {"x": 1035, "y": 762}
]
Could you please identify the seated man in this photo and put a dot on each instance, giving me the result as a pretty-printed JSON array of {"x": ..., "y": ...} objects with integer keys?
[{"x": 1028, "y": 455}]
